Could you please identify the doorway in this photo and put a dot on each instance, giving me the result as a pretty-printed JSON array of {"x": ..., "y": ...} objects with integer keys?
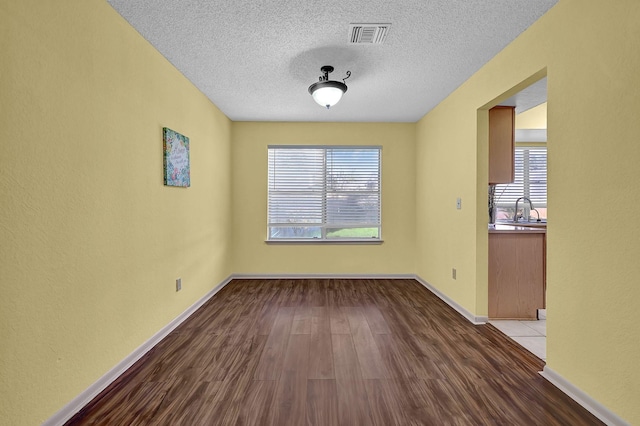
[{"x": 517, "y": 239}]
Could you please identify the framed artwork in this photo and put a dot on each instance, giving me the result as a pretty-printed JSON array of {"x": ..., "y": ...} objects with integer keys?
[{"x": 177, "y": 170}]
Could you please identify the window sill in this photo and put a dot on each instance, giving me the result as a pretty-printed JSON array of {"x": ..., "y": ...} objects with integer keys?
[{"x": 317, "y": 241}]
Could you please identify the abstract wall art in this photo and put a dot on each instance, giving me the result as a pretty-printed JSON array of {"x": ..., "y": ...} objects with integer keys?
[{"x": 177, "y": 169}]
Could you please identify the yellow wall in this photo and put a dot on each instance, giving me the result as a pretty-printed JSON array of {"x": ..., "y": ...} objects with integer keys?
[
  {"x": 92, "y": 241},
  {"x": 534, "y": 118},
  {"x": 249, "y": 153},
  {"x": 589, "y": 52},
  {"x": 446, "y": 157}
]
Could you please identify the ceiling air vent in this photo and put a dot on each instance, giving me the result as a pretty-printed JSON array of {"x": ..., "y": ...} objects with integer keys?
[{"x": 368, "y": 33}]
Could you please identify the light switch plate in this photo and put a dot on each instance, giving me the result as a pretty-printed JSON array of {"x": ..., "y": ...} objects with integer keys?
[{"x": 459, "y": 203}]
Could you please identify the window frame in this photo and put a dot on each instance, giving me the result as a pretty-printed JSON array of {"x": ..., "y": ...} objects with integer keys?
[
  {"x": 528, "y": 175},
  {"x": 325, "y": 225}
]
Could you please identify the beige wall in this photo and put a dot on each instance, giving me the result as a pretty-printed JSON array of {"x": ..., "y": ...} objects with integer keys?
[
  {"x": 534, "y": 118},
  {"x": 249, "y": 152},
  {"x": 589, "y": 51},
  {"x": 92, "y": 241}
]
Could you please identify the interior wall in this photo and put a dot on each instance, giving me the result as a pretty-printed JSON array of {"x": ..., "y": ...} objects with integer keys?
[
  {"x": 445, "y": 171},
  {"x": 249, "y": 153},
  {"x": 92, "y": 242},
  {"x": 589, "y": 50},
  {"x": 534, "y": 118}
]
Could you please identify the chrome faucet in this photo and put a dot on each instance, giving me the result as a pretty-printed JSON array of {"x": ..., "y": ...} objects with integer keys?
[{"x": 515, "y": 214}]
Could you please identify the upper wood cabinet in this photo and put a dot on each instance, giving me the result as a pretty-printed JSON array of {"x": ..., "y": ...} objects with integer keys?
[{"x": 501, "y": 144}]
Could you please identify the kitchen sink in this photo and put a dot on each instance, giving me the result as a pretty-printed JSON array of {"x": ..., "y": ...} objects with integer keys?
[
  {"x": 528, "y": 224},
  {"x": 534, "y": 224}
]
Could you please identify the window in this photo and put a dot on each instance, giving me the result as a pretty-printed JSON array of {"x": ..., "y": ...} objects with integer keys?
[
  {"x": 530, "y": 181},
  {"x": 324, "y": 193}
]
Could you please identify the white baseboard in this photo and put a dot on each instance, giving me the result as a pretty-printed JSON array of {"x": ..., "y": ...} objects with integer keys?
[
  {"x": 69, "y": 410},
  {"x": 323, "y": 276},
  {"x": 594, "y": 407},
  {"x": 476, "y": 320}
]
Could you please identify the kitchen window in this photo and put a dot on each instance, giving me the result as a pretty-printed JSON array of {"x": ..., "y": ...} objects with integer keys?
[
  {"x": 324, "y": 194},
  {"x": 530, "y": 181}
]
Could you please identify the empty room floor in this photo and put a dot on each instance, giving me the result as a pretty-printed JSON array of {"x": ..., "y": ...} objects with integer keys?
[
  {"x": 532, "y": 335},
  {"x": 332, "y": 352}
]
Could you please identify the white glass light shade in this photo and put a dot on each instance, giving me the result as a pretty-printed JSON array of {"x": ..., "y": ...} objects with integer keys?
[
  {"x": 327, "y": 96},
  {"x": 327, "y": 93}
]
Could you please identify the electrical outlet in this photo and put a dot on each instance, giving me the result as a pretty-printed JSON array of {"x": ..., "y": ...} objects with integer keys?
[
  {"x": 453, "y": 273},
  {"x": 179, "y": 284}
]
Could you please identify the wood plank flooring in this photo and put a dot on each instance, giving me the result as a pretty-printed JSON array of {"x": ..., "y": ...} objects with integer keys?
[{"x": 332, "y": 352}]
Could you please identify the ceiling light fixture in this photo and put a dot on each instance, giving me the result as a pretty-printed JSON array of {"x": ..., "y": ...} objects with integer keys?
[{"x": 327, "y": 92}]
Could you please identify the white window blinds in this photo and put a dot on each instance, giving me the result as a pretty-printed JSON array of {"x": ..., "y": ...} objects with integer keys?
[
  {"x": 530, "y": 178},
  {"x": 324, "y": 192}
]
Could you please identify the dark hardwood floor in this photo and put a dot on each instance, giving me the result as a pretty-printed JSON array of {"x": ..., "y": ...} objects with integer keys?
[{"x": 332, "y": 352}]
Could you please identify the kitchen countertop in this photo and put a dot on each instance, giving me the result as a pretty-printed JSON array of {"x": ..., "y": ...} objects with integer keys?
[{"x": 503, "y": 228}]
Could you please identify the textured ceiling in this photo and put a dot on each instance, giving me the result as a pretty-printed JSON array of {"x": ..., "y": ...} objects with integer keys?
[
  {"x": 256, "y": 59},
  {"x": 529, "y": 97}
]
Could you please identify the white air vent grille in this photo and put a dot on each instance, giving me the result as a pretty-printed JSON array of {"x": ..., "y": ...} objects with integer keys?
[{"x": 368, "y": 33}]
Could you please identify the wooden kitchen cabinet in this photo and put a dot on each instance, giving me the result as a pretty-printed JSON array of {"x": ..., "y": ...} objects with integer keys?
[
  {"x": 516, "y": 275},
  {"x": 501, "y": 144}
]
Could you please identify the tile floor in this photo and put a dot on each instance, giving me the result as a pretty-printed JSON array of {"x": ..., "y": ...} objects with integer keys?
[{"x": 532, "y": 335}]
